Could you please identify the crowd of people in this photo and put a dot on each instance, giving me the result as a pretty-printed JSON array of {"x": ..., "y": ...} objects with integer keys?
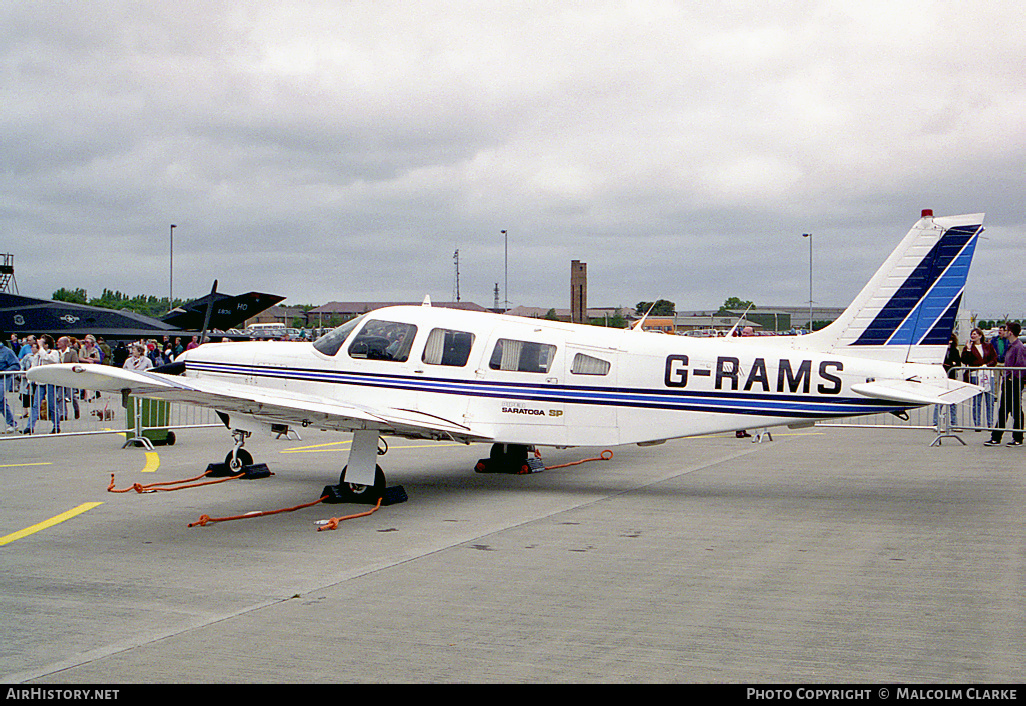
[
  {"x": 19, "y": 355},
  {"x": 981, "y": 361}
]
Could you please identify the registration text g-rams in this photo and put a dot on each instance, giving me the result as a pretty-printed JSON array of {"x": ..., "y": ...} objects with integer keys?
[{"x": 789, "y": 376}]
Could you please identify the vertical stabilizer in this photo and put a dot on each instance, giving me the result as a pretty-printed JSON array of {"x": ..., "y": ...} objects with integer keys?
[{"x": 907, "y": 311}]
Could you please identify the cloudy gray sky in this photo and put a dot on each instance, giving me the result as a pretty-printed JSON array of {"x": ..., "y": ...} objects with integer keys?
[{"x": 343, "y": 150}]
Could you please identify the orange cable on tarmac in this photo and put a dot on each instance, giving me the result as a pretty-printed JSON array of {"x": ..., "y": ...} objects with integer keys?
[
  {"x": 601, "y": 457},
  {"x": 333, "y": 523},
  {"x": 204, "y": 520},
  {"x": 154, "y": 487}
]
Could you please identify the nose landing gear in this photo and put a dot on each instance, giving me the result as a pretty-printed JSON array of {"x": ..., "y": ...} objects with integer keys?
[{"x": 238, "y": 460}]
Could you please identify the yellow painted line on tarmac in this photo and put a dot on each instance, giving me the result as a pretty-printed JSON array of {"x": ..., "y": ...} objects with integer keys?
[
  {"x": 319, "y": 448},
  {"x": 425, "y": 446},
  {"x": 19, "y": 465},
  {"x": 316, "y": 448},
  {"x": 152, "y": 462},
  {"x": 45, "y": 524}
]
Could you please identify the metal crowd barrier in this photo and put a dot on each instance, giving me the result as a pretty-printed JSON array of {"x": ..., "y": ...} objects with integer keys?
[{"x": 35, "y": 407}]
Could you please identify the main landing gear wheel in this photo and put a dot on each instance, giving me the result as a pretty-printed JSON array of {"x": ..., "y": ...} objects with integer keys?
[
  {"x": 505, "y": 458},
  {"x": 235, "y": 460},
  {"x": 363, "y": 494}
]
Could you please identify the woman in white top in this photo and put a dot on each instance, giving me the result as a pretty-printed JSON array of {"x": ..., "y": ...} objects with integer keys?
[{"x": 138, "y": 360}]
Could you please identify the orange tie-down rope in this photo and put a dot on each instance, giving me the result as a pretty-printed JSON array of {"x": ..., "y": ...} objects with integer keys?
[
  {"x": 179, "y": 484},
  {"x": 329, "y": 524},
  {"x": 323, "y": 525},
  {"x": 601, "y": 457}
]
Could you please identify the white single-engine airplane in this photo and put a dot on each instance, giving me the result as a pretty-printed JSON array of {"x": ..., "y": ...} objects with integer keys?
[{"x": 434, "y": 373}]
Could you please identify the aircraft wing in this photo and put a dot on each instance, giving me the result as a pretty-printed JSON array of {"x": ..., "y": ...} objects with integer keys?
[
  {"x": 270, "y": 406},
  {"x": 913, "y": 391}
]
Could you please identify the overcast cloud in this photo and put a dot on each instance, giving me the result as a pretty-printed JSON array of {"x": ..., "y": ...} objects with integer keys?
[{"x": 342, "y": 150}]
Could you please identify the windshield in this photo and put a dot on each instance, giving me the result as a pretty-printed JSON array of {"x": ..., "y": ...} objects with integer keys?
[{"x": 329, "y": 343}]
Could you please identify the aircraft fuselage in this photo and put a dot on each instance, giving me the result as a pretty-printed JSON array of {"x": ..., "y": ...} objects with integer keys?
[{"x": 527, "y": 381}]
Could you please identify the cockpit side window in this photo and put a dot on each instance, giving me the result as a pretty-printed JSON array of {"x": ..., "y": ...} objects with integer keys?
[
  {"x": 329, "y": 343},
  {"x": 383, "y": 340},
  {"x": 587, "y": 365},
  {"x": 445, "y": 347},
  {"x": 522, "y": 356}
]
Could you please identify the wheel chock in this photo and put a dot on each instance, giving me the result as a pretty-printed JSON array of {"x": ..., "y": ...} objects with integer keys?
[
  {"x": 532, "y": 464},
  {"x": 252, "y": 471},
  {"x": 394, "y": 495},
  {"x": 255, "y": 471},
  {"x": 219, "y": 470},
  {"x": 338, "y": 494}
]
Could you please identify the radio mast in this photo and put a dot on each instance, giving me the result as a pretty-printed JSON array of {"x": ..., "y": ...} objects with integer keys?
[{"x": 456, "y": 260}]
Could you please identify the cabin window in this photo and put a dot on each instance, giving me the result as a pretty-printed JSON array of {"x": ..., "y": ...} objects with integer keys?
[
  {"x": 586, "y": 365},
  {"x": 445, "y": 347},
  {"x": 522, "y": 356},
  {"x": 383, "y": 340},
  {"x": 329, "y": 343}
]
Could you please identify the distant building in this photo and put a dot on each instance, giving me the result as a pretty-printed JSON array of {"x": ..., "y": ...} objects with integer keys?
[
  {"x": 278, "y": 314},
  {"x": 579, "y": 292},
  {"x": 540, "y": 312},
  {"x": 662, "y": 324},
  {"x": 800, "y": 314}
]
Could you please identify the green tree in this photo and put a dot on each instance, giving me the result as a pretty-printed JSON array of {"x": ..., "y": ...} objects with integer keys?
[
  {"x": 663, "y": 307},
  {"x": 75, "y": 296},
  {"x": 736, "y": 304},
  {"x": 617, "y": 320}
]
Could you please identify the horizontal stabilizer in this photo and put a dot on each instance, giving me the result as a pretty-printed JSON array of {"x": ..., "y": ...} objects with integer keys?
[{"x": 919, "y": 393}]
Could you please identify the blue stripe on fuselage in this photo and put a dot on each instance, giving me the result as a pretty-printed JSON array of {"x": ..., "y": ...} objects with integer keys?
[{"x": 759, "y": 404}]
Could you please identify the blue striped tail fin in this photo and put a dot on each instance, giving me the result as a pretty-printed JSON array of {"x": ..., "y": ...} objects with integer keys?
[{"x": 907, "y": 311}]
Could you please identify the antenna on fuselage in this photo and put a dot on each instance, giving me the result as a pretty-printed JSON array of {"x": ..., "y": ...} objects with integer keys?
[
  {"x": 637, "y": 326},
  {"x": 738, "y": 323}
]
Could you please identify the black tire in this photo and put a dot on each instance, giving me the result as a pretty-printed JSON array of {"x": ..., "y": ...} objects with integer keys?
[
  {"x": 170, "y": 438},
  {"x": 514, "y": 454},
  {"x": 508, "y": 458},
  {"x": 243, "y": 458},
  {"x": 367, "y": 494}
]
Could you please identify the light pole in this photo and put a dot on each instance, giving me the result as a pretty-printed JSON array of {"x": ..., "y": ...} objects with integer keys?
[
  {"x": 809, "y": 236},
  {"x": 171, "y": 277},
  {"x": 505, "y": 292}
]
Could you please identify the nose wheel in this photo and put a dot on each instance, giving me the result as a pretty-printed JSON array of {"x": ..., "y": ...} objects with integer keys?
[{"x": 237, "y": 458}]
